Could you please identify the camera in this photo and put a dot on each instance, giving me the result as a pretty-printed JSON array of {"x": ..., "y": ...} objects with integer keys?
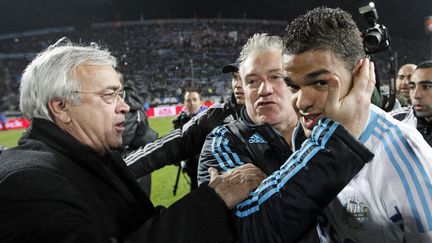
[{"x": 376, "y": 37}]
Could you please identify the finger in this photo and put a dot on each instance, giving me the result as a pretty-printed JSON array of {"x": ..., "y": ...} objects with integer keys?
[
  {"x": 235, "y": 179},
  {"x": 256, "y": 172},
  {"x": 213, "y": 173},
  {"x": 249, "y": 169},
  {"x": 357, "y": 67},
  {"x": 251, "y": 181},
  {"x": 361, "y": 78},
  {"x": 372, "y": 81}
]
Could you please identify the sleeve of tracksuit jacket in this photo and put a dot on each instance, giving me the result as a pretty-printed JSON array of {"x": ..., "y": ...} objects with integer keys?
[{"x": 179, "y": 144}]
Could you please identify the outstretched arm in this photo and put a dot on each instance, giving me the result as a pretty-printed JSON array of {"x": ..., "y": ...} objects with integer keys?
[{"x": 177, "y": 145}]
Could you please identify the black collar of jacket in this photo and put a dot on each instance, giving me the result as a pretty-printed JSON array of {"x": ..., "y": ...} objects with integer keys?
[
  {"x": 271, "y": 135},
  {"x": 232, "y": 104},
  {"x": 109, "y": 168}
]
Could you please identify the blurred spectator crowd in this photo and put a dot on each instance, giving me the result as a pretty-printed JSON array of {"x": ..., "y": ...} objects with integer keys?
[{"x": 162, "y": 58}]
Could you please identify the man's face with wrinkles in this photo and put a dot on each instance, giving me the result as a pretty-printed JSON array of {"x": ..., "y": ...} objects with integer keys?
[{"x": 267, "y": 98}]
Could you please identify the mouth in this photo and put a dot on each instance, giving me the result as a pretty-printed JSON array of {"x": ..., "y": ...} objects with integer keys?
[
  {"x": 237, "y": 93},
  {"x": 418, "y": 107},
  {"x": 405, "y": 91},
  {"x": 309, "y": 121},
  {"x": 265, "y": 103},
  {"x": 119, "y": 127}
]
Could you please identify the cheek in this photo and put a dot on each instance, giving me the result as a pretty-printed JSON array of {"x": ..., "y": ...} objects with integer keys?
[
  {"x": 428, "y": 98},
  {"x": 250, "y": 95}
]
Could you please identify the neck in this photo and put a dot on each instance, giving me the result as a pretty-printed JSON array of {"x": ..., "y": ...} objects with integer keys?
[{"x": 286, "y": 132}]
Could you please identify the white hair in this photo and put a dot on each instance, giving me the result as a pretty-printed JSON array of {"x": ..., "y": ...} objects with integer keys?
[
  {"x": 260, "y": 42},
  {"x": 52, "y": 75}
]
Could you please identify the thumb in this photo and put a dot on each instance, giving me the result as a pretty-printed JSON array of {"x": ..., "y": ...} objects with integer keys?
[{"x": 213, "y": 173}]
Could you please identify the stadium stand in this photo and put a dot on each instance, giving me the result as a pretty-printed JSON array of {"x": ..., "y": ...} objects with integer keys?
[{"x": 161, "y": 57}]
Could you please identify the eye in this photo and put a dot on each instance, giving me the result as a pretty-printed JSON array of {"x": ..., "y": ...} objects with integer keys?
[
  {"x": 412, "y": 86},
  {"x": 276, "y": 77},
  {"x": 427, "y": 86},
  {"x": 293, "y": 88},
  {"x": 320, "y": 84},
  {"x": 110, "y": 94},
  {"x": 251, "y": 82}
]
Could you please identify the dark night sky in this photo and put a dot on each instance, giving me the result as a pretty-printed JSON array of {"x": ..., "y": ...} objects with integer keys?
[{"x": 403, "y": 17}]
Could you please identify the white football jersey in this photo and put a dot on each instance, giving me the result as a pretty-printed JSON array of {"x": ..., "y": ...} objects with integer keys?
[{"x": 390, "y": 200}]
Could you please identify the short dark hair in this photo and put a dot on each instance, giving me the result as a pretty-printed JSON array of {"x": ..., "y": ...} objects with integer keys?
[
  {"x": 325, "y": 29},
  {"x": 424, "y": 64},
  {"x": 192, "y": 90}
]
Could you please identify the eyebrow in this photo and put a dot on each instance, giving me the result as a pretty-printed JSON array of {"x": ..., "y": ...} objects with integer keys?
[
  {"x": 275, "y": 70},
  {"x": 421, "y": 82},
  {"x": 113, "y": 87},
  {"x": 317, "y": 73}
]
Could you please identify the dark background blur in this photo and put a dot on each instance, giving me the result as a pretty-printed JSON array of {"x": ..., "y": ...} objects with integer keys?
[
  {"x": 403, "y": 18},
  {"x": 163, "y": 58}
]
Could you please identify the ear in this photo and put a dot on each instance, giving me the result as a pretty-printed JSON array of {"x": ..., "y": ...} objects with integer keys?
[{"x": 59, "y": 110}]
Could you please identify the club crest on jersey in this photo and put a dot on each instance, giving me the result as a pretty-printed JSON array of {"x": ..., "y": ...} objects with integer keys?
[
  {"x": 256, "y": 138},
  {"x": 355, "y": 213}
]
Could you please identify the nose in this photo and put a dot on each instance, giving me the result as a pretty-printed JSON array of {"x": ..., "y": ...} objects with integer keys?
[
  {"x": 303, "y": 99},
  {"x": 237, "y": 83},
  {"x": 416, "y": 93},
  {"x": 265, "y": 88},
  {"x": 121, "y": 106}
]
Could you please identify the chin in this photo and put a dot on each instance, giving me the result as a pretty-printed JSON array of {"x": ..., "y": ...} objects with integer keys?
[{"x": 307, "y": 132}]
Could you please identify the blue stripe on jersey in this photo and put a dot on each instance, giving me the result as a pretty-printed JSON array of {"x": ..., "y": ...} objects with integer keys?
[
  {"x": 220, "y": 148},
  {"x": 229, "y": 152},
  {"x": 216, "y": 135},
  {"x": 321, "y": 130},
  {"x": 403, "y": 180},
  {"x": 373, "y": 116},
  {"x": 275, "y": 181},
  {"x": 404, "y": 157}
]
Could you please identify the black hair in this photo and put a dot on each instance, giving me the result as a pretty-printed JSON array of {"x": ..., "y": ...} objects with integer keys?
[
  {"x": 424, "y": 64},
  {"x": 325, "y": 29}
]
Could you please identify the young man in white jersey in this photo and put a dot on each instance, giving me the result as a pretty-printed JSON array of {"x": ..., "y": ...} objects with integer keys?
[{"x": 390, "y": 200}]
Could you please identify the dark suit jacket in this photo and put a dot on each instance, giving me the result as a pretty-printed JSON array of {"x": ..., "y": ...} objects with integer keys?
[{"x": 54, "y": 189}]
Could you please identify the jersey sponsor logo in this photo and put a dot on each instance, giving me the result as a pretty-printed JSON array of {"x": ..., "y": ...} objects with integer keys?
[
  {"x": 355, "y": 213},
  {"x": 256, "y": 138}
]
